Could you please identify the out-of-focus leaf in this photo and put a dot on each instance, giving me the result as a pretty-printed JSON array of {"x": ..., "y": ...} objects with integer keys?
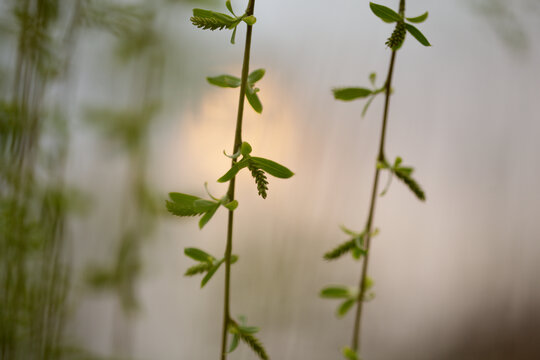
[{"x": 351, "y": 93}]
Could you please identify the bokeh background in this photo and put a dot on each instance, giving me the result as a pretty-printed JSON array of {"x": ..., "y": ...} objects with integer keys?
[{"x": 105, "y": 109}]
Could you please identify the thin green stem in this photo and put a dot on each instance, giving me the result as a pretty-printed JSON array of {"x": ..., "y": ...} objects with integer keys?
[
  {"x": 374, "y": 192},
  {"x": 230, "y": 192}
]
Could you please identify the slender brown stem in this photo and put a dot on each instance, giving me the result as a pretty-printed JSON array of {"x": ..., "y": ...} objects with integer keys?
[
  {"x": 371, "y": 215},
  {"x": 230, "y": 192}
]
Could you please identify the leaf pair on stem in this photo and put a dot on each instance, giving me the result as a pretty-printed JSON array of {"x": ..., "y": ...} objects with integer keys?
[
  {"x": 398, "y": 36},
  {"x": 207, "y": 264},
  {"x": 229, "y": 81},
  {"x": 258, "y": 166}
]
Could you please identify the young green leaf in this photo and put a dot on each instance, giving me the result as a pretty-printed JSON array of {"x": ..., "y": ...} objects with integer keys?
[
  {"x": 272, "y": 167},
  {"x": 250, "y": 20},
  {"x": 366, "y": 106},
  {"x": 245, "y": 149},
  {"x": 417, "y": 35},
  {"x": 226, "y": 81},
  {"x": 345, "y": 307},
  {"x": 211, "y": 272},
  {"x": 248, "y": 329},
  {"x": 256, "y": 75},
  {"x": 199, "y": 255},
  {"x": 229, "y": 7},
  {"x": 372, "y": 78},
  {"x": 210, "y": 20},
  {"x": 418, "y": 19},
  {"x": 203, "y": 205},
  {"x": 234, "y": 343},
  {"x": 232, "y": 205},
  {"x": 385, "y": 13},
  {"x": 335, "y": 292},
  {"x": 254, "y": 100},
  {"x": 182, "y": 204},
  {"x": 233, "y": 170},
  {"x": 208, "y": 215},
  {"x": 350, "y": 354},
  {"x": 233, "y": 36},
  {"x": 351, "y": 93}
]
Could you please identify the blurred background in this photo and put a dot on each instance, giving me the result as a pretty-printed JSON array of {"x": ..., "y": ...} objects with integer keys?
[{"x": 104, "y": 109}]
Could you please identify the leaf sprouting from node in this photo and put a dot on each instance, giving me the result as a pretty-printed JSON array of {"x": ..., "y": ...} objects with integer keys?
[
  {"x": 226, "y": 81},
  {"x": 210, "y": 20},
  {"x": 417, "y": 35},
  {"x": 385, "y": 13},
  {"x": 351, "y": 93},
  {"x": 188, "y": 205},
  {"x": 418, "y": 19}
]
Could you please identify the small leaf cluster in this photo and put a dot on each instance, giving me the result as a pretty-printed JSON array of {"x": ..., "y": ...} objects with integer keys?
[
  {"x": 403, "y": 173},
  {"x": 258, "y": 166},
  {"x": 355, "y": 245},
  {"x": 350, "y": 354},
  {"x": 350, "y": 295},
  {"x": 229, "y": 81},
  {"x": 245, "y": 333},
  {"x": 398, "y": 35},
  {"x": 188, "y": 205},
  {"x": 353, "y": 93},
  {"x": 211, "y": 20},
  {"x": 207, "y": 264}
]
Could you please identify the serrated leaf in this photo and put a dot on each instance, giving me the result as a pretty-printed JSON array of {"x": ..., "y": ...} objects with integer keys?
[
  {"x": 418, "y": 19},
  {"x": 250, "y": 20},
  {"x": 234, "y": 343},
  {"x": 412, "y": 184},
  {"x": 226, "y": 81},
  {"x": 256, "y": 75},
  {"x": 182, "y": 204},
  {"x": 385, "y": 13},
  {"x": 254, "y": 100},
  {"x": 345, "y": 307},
  {"x": 203, "y": 205},
  {"x": 214, "y": 15},
  {"x": 210, "y": 20},
  {"x": 272, "y": 167},
  {"x": 208, "y": 215},
  {"x": 351, "y": 93},
  {"x": 199, "y": 255},
  {"x": 211, "y": 272},
  {"x": 417, "y": 35},
  {"x": 335, "y": 292}
]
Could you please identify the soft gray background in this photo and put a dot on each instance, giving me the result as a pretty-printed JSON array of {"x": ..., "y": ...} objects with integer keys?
[{"x": 455, "y": 277}]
